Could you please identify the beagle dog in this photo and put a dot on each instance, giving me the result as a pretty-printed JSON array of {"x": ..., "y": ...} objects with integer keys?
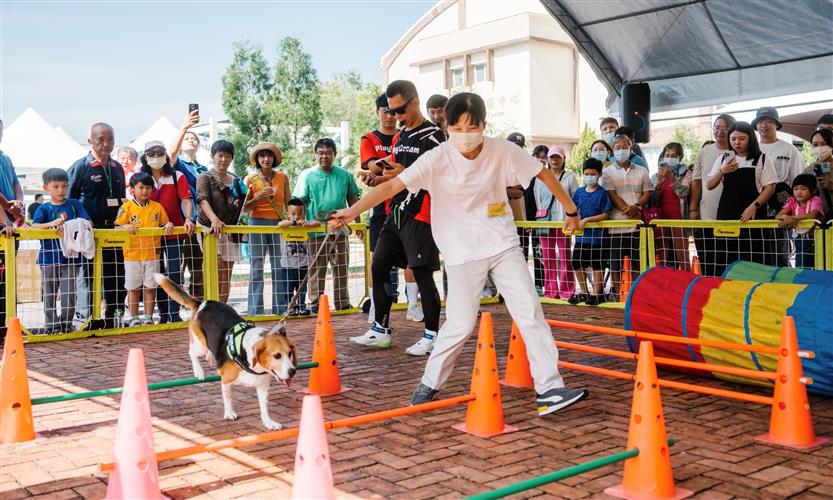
[{"x": 243, "y": 353}]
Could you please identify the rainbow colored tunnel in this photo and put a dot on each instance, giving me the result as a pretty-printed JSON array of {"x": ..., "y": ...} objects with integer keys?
[{"x": 683, "y": 304}]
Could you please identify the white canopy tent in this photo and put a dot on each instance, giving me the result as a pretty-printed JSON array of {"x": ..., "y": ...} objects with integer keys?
[
  {"x": 701, "y": 52},
  {"x": 161, "y": 130},
  {"x": 34, "y": 145}
]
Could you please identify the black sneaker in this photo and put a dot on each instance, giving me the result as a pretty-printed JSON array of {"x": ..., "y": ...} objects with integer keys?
[
  {"x": 423, "y": 394},
  {"x": 577, "y": 298},
  {"x": 593, "y": 300},
  {"x": 556, "y": 399}
]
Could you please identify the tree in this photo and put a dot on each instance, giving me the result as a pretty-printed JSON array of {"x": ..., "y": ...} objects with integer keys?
[
  {"x": 581, "y": 151},
  {"x": 685, "y": 135},
  {"x": 295, "y": 105},
  {"x": 247, "y": 86},
  {"x": 347, "y": 98}
]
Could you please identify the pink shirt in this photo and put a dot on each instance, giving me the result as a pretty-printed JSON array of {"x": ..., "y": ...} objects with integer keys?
[{"x": 813, "y": 205}]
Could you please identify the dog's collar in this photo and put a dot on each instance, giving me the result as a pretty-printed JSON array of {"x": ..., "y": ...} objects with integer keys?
[{"x": 234, "y": 345}]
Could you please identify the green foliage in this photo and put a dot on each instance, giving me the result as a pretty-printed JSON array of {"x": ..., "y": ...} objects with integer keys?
[
  {"x": 247, "y": 86},
  {"x": 581, "y": 151},
  {"x": 347, "y": 98},
  {"x": 280, "y": 104},
  {"x": 686, "y": 135}
]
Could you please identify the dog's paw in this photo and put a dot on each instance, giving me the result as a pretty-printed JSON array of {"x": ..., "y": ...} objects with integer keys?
[
  {"x": 199, "y": 372},
  {"x": 272, "y": 425},
  {"x": 230, "y": 415}
]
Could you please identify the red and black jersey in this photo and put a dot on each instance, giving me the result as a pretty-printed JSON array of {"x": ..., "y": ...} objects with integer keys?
[
  {"x": 408, "y": 145},
  {"x": 374, "y": 145}
]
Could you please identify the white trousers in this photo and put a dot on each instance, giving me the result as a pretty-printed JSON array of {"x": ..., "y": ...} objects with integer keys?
[{"x": 510, "y": 273}]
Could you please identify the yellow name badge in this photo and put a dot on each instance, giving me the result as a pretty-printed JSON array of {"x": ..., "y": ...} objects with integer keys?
[
  {"x": 577, "y": 232},
  {"x": 295, "y": 234},
  {"x": 497, "y": 209},
  {"x": 727, "y": 232}
]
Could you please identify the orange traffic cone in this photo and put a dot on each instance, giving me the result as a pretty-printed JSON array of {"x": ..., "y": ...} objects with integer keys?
[
  {"x": 626, "y": 280},
  {"x": 324, "y": 380},
  {"x": 484, "y": 417},
  {"x": 695, "y": 266},
  {"x": 16, "y": 424},
  {"x": 790, "y": 423},
  {"x": 647, "y": 475},
  {"x": 136, "y": 474},
  {"x": 517, "y": 372},
  {"x": 313, "y": 474}
]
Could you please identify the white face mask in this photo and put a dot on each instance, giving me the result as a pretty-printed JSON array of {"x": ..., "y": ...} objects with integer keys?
[
  {"x": 822, "y": 152},
  {"x": 465, "y": 142},
  {"x": 156, "y": 163}
]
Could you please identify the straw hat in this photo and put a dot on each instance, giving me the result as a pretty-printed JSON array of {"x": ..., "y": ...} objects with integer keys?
[{"x": 265, "y": 146}]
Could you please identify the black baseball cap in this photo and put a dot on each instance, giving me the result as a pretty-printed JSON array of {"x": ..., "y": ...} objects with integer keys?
[{"x": 518, "y": 138}]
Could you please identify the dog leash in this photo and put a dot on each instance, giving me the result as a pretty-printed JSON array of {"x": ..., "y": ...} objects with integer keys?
[{"x": 323, "y": 216}]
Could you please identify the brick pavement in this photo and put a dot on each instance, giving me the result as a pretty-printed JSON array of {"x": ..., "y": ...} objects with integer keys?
[{"x": 407, "y": 457}]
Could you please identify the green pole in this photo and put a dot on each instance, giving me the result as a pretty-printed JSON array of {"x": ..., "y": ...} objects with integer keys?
[
  {"x": 151, "y": 387},
  {"x": 559, "y": 475}
]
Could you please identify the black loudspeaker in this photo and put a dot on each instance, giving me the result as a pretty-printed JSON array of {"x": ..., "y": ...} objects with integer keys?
[{"x": 636, "y": 110}]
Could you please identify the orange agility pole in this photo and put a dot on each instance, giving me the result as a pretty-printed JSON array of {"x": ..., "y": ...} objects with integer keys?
[
  {"x": 288, "y": 433},
  {"x": 16, "y": 423},
  {"x": 791, "y": 423},
  {"x": 647, "y": 475},
  {"x": 324, "y": 380},
  {"x": 517, "y": 372},
  {"x": 484, "y": 416},
  {"x": 621, "y": 332},
  {"x": 694, "y": 365}
]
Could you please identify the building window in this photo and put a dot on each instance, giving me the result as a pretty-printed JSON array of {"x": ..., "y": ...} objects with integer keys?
[
  {"x": 480, "y": 73},
  {"x": 456, "y": 77}
]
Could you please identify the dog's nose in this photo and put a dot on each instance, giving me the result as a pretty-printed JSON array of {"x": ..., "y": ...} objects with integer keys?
[{"x": 292, "y": 372}]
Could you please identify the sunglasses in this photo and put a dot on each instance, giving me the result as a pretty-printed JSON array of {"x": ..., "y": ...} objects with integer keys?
[
  {"x": 401, "y": 109},
  {"x": 154, "y": 153}
]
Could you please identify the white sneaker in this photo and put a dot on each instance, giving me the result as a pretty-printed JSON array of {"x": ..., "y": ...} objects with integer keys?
[
  {"x": 415, "y": 313},
  {"x": 377, "y": 336},
  {"x": 421, "y": 348}
]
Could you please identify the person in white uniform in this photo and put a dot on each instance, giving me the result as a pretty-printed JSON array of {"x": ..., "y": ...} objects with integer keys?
[{"x": 473, "y": 229}]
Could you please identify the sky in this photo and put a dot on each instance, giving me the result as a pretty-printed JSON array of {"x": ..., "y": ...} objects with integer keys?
[{"x": 128, "y": 62}]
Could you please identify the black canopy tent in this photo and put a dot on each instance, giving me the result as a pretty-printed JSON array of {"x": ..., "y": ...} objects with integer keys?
[{"x": 703, "y": 52}]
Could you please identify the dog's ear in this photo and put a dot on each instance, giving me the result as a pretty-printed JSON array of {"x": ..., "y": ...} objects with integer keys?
[{"x": 260, "y": 353}]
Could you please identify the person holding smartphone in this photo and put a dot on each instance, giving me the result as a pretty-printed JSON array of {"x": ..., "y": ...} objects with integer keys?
[{"x": 822, "y": 167}]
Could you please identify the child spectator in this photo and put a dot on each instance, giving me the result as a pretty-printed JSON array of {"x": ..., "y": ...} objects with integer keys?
[
  {"x": 804, "y": 204},
  {"x": 593, "y": 205},
  {"x": 57, "y": 272},
  {"x": 295, "y": 257},
  {"x": 141, "y": 254}
]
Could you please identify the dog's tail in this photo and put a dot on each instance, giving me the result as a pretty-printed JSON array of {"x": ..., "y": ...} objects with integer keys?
[{"x": 176, "y": 292}]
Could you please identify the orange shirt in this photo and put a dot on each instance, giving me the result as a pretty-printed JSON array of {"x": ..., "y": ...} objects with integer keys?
[{"x": 268, "y": 208}]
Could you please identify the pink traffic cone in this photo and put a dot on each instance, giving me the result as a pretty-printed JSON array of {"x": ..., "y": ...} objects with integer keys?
[
  {"x": 136, "y": 474},
  {"x": 313, "y": 474}
]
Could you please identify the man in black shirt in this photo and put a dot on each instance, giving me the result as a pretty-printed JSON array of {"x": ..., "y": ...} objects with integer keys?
[{"x": 406, "y": 239}]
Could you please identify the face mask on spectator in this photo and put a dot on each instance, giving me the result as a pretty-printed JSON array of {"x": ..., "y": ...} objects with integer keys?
[
  {"x": 621, "y": 154},
  {"x": 599, "y": 155},
  {"x": 671, "y": 162},
  {"x": 465, "y": 141},
  {"x": 156, "y": 162},
  {"x": 822, "y": 152},
  {"x": 591, "y": 180},
  {"x": 608, "y": 137}
]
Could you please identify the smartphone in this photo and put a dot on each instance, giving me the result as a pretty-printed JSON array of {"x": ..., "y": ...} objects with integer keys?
[
  {"x": 194, "y": 107},
  {"x": 384, "y": 164}
]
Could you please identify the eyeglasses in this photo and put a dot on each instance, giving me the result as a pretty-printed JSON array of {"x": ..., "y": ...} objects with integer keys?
[
  {"x": 721, "y": 129},
  {"x": 154, "y": 153},
  {"x": 389, "y": 112},
  {"x": 401, "y": 109},
  {"x": 324, "y": 153}
]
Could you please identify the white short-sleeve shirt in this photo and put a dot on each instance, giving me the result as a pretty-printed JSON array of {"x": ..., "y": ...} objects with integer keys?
[{"x": 470, "y": 215}]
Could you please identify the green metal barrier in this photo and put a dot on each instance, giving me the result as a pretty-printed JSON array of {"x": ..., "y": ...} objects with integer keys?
[{"x": 151, "y": 387}]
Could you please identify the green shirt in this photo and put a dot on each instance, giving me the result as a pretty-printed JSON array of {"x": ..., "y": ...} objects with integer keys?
[{"x": 325, "y": 190}]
